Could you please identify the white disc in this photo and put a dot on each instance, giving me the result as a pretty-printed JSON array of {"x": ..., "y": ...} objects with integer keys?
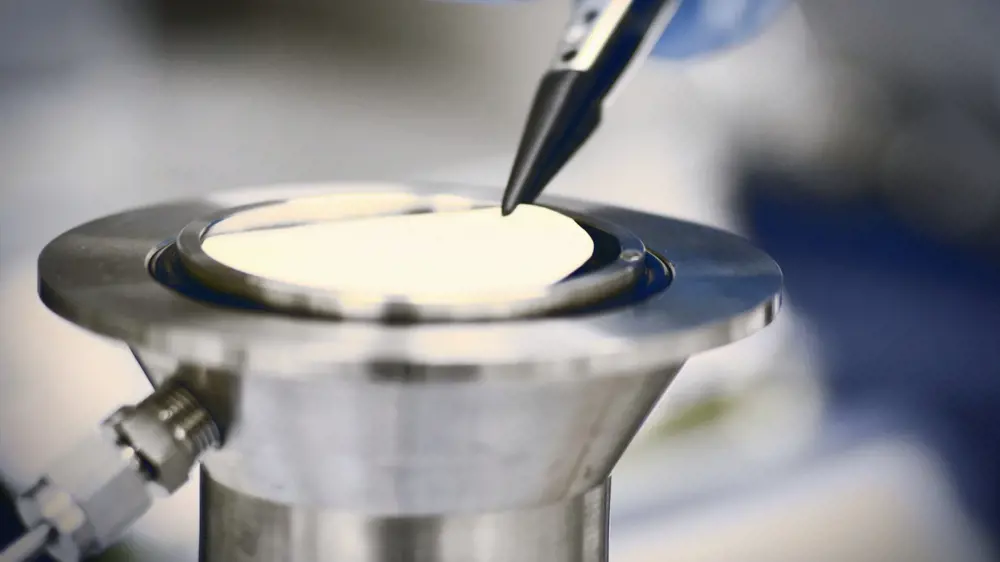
[{"x": 451, "y": 254}]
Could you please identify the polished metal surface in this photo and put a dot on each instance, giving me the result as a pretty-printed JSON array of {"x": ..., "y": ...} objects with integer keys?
[
  {"x": 96, "y": 276},
  {"x": 593, "y": 24},
  {"x": 410, "y": 441},
  {"x": 240, "y": 528},
  {"x": 611, "y": 279},
  {"x": 358, "y": 441}
]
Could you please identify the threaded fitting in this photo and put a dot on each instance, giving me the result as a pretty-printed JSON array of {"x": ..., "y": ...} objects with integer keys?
[
  {"x": 169, "y": 432},
  {"x": 189, "y": 423}
]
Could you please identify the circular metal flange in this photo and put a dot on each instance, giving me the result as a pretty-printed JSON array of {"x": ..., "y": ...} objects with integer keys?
[
  {"x": 96, "y": 275},
  {"x": 610, "y": 279}
]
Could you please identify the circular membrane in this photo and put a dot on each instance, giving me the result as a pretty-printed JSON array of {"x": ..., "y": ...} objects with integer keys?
[
  {"x": 424, "y": 257},
  {"x": 370, "y": 255}
]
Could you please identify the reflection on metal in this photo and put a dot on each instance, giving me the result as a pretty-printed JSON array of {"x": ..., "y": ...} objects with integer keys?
[{"x": 433, "y": 441}]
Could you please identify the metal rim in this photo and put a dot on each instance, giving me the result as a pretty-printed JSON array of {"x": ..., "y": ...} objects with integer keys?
[
  {"x": 95, "y": 275},
  {"x": 609, "y": 280}
]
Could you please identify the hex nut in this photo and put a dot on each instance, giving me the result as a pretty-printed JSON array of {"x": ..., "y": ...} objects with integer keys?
[
  {"x": 89, "y": 498},
  {"x": 164, "y": 453}
]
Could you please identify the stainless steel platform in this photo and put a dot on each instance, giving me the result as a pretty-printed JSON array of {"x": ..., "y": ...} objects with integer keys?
[{"x": 458, "y": 441}]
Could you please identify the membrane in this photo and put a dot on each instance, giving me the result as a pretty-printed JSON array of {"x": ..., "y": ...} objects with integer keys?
[{"x": 441, "y": 254}]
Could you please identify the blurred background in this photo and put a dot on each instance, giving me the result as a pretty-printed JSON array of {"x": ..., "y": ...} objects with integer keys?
[{"x": 858, "y": 142}]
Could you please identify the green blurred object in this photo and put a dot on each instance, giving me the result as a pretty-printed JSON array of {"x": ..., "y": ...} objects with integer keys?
[{"x": 699, "y": 414}]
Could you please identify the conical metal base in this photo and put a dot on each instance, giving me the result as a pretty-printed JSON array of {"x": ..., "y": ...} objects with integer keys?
[
  {"x": 337, "y": 469},
  {"x": 430, "y": 442}
]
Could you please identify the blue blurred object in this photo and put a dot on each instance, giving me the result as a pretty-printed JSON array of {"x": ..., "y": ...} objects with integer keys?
[
  {"x": 908, "y": 324},
  {"x": 705, "y": 26}
]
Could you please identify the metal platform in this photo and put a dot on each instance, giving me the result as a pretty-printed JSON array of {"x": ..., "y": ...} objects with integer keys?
[{"x": 483, "y": 439}]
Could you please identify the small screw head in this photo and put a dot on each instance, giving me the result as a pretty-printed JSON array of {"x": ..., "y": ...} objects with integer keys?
[{"x": 631, "y": 256}]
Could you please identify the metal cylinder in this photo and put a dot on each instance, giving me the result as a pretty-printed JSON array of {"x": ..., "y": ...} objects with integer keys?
[{"x": 243, "y": 528}]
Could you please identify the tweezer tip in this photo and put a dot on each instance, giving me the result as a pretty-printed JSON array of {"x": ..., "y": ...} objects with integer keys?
[
  {"x": 507, "y": 208},
  {"x": 511, "y": 199}
]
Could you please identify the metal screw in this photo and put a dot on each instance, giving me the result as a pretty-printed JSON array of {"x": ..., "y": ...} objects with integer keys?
[{"x": 631, "y": 256}]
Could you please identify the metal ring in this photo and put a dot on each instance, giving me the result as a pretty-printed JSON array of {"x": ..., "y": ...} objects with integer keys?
[
  {"x": 606, "y": 282},
  {"x": 96, "y": 275}
]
